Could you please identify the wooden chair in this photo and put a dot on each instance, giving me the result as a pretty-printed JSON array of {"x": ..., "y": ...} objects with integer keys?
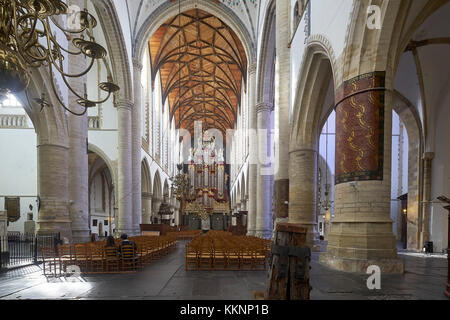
[
  {"x": 65, "y": 256},
  {"x": 219, "y": 257},
  {"x": 233, "y": 255},
  {"x": 81, "y": 256},
  {"x": 128, "y": 258},
  {"x": 205, "y": 256},
  {"x": 95, "y": 258},
  {"x": 111, "y": 262},
  {"x": 192, "y": 257},
  {"x": 50, "y": 262}
]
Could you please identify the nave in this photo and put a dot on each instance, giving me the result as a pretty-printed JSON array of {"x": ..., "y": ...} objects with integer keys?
[{"x": 167, "y": 278}]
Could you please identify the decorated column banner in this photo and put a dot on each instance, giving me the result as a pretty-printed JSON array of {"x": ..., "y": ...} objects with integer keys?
[{"x": 360, "y": 128}]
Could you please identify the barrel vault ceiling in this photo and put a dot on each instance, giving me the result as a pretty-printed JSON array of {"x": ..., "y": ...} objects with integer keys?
[{"x": 202, "y": 66}]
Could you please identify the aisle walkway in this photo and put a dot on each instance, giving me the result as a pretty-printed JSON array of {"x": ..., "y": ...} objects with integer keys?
[{"x": 166, "y": 279}]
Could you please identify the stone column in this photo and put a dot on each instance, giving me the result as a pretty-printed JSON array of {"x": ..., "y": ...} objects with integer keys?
[
  {"x": 303, "y": 191},
  {"x": 125, "y": 219},
  {"x": 136, "y": 146},
  {"x": 253, "y": 152},
  {"x": 78, "y": 158},
  {"x": 264, "y": 226},
  {"x": 78, "y": 178},
  {"x": 53, "y": 191},
  {"x": 361, "y": 232},
  {"x": 146, "y": 208},
  {"x": 282, "y": 105},
  {"x": 3, "y": 233},
  {"x": 244, "y": 204},
  {"x": 424, "y": 230}
]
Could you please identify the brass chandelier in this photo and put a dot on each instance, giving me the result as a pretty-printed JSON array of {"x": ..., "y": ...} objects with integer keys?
[{"x": 27, "y": 40}]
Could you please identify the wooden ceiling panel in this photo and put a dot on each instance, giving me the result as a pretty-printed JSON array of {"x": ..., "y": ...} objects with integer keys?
[{"x": 202, "y": 65}]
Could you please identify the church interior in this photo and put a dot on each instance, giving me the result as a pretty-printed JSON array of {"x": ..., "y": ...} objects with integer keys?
[{"x": 224, "y": 149}]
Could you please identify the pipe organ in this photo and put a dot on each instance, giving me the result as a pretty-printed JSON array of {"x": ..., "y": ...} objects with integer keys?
[{"x": 207, "y": 179}]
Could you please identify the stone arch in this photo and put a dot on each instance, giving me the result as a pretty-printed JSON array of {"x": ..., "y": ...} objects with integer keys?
[
  {"x": 317, "y": 74},
  {"x": 112, "y": 169},
  {"x": 416, "y": 142},
  {"x": 170, "y": 8},
  {"x": 266, "y": 61},
  {"x": 146, "y": 192},
  {"x": 117, "y": 49},
  {"x": 157, "y": 185},
  {"x": 370, "y": 50},
  {"x": 314, "y": 88},
  {"x": 146, "y": 177},
  {"x": 50, "y": 124}
]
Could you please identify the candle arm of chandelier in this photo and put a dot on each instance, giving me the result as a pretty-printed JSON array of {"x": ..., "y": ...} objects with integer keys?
[
  {"x": 59, "y": 100},
  {"x": 81, "y": 97},
  {"x": 66, "y": 30}
]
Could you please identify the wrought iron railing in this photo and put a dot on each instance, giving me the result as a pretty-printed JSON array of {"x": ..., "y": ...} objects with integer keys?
[{"x": 17, "y": 249}]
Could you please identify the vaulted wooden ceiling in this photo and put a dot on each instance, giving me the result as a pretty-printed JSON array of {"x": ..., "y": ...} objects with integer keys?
[{"x": 202, "y": 65}]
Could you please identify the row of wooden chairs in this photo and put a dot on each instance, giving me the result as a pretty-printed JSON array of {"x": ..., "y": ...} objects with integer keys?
[
  {"x": 95, "y": 257},
  {"x": 221, "y": 251},
  {"x": 186, "y": 235}
]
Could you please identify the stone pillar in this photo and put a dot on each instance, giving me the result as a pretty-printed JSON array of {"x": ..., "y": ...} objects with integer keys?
[
  {"x": 3, "y": 233},
  {"x": 124, "y": 219},
  {"x": 136, "y": 146},
  {"x": 424, "y": 228},
  {"x": 53, "y": 191},
  {"x": 146, "y": 208},
  {"x": 253, "y": 152},
  {"x": 244, "y": 204},
  {"x": 361, "y": 232},
  {"x": 78, "y": 158},
  {"x": 303, "y": 192},
  {"x": 264, "y": 226},
  {"x": 282, "y": 106}
]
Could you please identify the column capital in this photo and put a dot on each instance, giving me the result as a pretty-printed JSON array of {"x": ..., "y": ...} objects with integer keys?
[
  {"x": 124, "y": 104},
  {"x": 263, "y": 107},
  {"x": 137, "y": 64}
]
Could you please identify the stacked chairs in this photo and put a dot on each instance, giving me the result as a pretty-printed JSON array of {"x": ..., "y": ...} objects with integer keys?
[
  {"x": 219, "y": 250},
  {"x": 94, "y": 257}
]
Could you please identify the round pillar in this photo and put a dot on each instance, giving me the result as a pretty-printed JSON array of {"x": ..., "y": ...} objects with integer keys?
[
  {"x": 361, "y": 232},
  {"x": 302, "y": 192},
  {"x": 53, "y": 214},
  {"x": 264, "y": 177},
  {"x": 136, "y": 146},
  {"x": 125, "y": 218}
]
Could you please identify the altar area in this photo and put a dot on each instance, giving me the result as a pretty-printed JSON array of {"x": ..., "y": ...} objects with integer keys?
[{"x": 206, "y": 200}]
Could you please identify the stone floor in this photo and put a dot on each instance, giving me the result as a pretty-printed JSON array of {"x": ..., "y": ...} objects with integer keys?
[{"x": 166, "y": 279}]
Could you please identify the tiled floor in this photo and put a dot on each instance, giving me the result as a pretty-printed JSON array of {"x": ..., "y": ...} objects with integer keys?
[{"x": 167, "y": 279}]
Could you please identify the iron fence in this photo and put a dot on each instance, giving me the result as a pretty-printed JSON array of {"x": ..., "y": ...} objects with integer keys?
[{"x": 18, "y": 249}]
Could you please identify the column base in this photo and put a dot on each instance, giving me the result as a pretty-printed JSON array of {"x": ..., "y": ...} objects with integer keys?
[
  {"x": 128, "y": 232},
  {"x": 265, "y": 234},
  {"x": 80, "y": 236},
  {"x": 56, "y": 226},
  {"x": 251, "y": 232},
  {"x": 361, "y": 265}
]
